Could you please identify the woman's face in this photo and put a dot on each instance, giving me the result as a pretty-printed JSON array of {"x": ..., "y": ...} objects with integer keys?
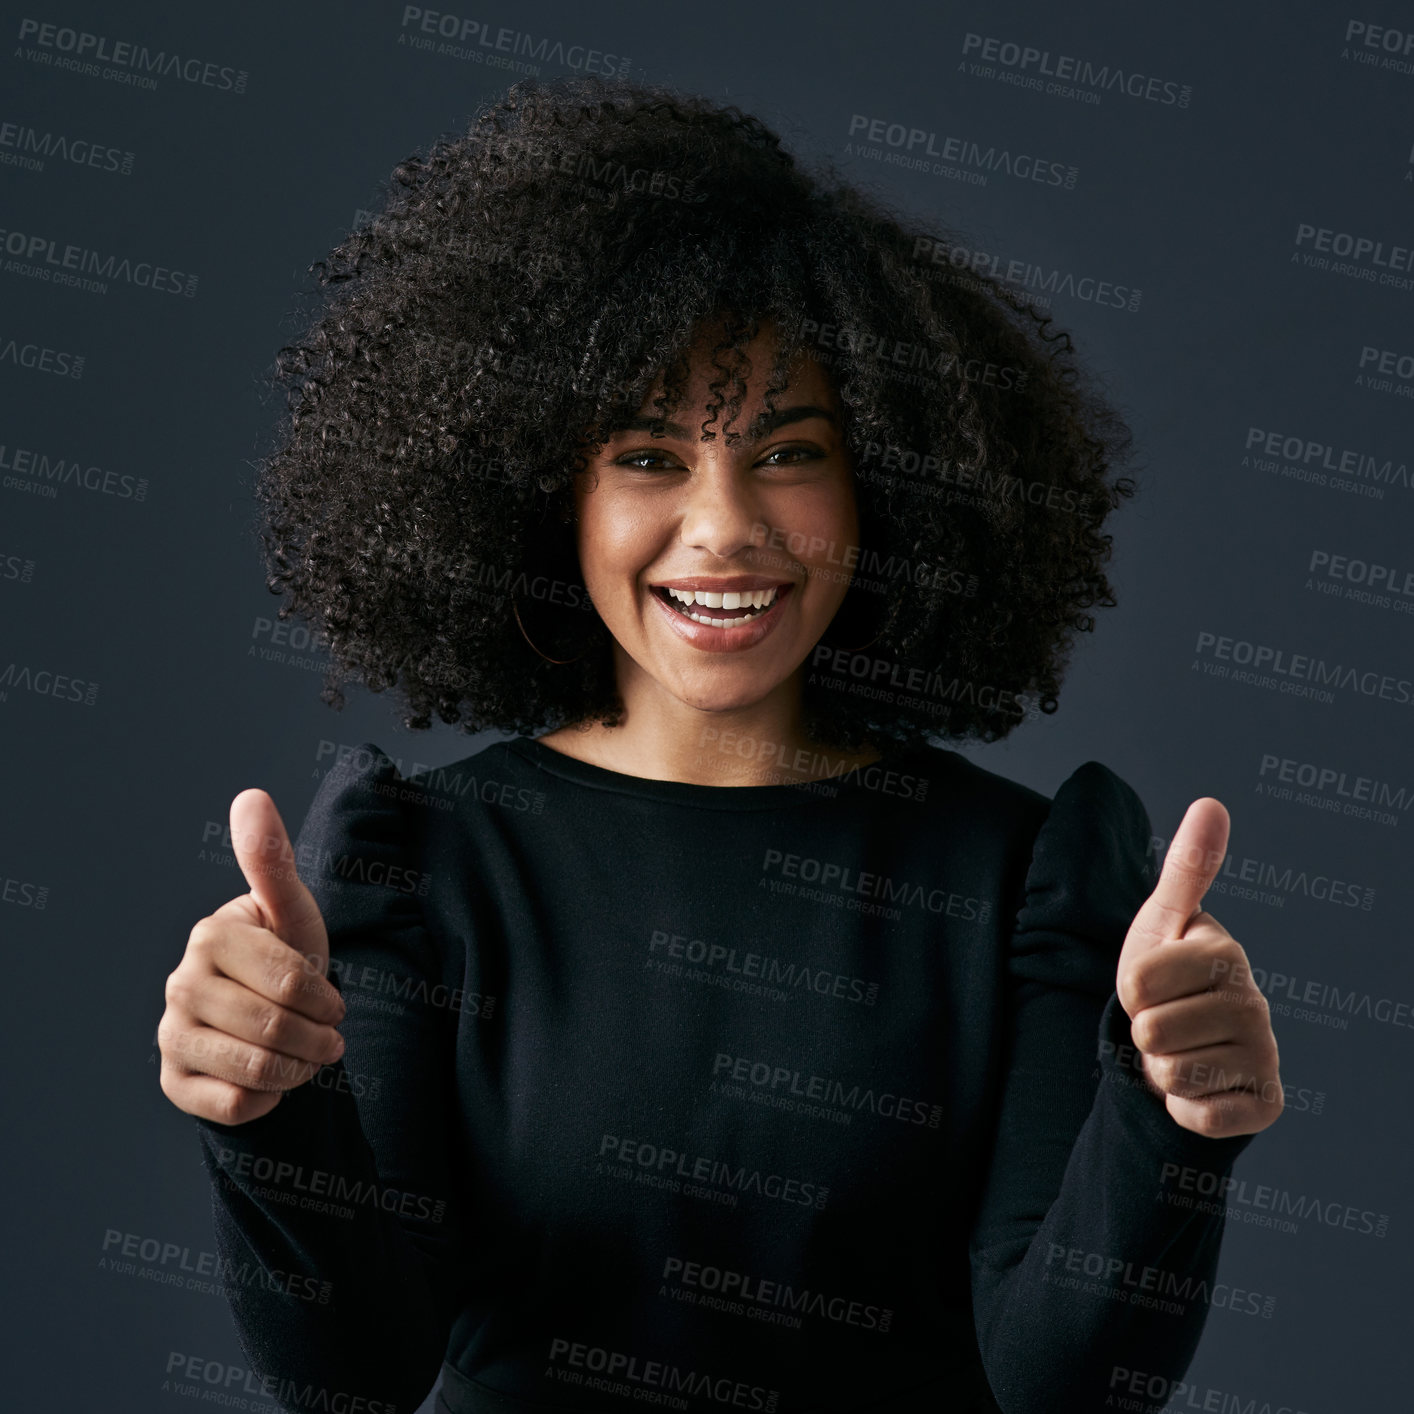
[{"x": 760, "y": 536}]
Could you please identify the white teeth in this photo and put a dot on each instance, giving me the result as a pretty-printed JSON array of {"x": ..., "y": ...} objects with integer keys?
[
  {"x": 727, "y": 600},
  {"x": 719, "y": 623}
]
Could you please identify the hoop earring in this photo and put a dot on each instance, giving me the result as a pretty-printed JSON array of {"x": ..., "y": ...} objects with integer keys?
[
  {"x": 558, "y": 662},
  {"x": 863, "y": 646},
  {"x": 878, "y": 634}
]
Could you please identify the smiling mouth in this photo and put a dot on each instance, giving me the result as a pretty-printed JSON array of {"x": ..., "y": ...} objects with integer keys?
[{"x": 720, "y": 610}]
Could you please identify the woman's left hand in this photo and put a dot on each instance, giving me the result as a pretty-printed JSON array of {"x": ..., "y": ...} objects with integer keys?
[{"x": 1201, "y": 1024}]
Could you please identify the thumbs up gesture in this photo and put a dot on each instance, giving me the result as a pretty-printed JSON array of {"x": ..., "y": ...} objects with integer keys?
[
  {"x": 250, "y": 1010},
  {"x": 1201, "y": 1024}
]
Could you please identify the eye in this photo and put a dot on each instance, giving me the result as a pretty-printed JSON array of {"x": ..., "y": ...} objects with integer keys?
[
  {"x": 641, "y": 461},
  {"x": 796, "y": 453}
]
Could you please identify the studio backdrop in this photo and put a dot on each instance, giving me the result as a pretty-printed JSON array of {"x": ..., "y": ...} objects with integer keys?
[{"x": 1216, "y": 201}]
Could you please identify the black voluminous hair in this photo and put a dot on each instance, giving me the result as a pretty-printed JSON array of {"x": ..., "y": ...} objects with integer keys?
[{"x": 520, "y": 289}]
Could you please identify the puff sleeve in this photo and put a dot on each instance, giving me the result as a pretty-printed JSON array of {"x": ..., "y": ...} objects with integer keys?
[
  {"x": 335, "y": 1219},
  {"x": 1080, "y": 1267}
]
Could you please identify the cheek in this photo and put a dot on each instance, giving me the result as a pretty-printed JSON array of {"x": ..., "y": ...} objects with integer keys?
[
  {"x": 830, "y": 518},
  {"x": 614, "y": 543}
]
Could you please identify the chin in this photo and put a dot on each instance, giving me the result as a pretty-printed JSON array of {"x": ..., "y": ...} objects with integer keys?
[{"x": 721, "y": 698}]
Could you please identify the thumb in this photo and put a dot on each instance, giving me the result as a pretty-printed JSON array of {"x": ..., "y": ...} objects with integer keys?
[
  {"x": 267, "y": 859},
  {"x": 1194, "y": 857}
]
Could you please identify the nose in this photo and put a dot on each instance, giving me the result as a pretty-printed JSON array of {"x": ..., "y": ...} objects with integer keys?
[{"x": 720, "y": 514}]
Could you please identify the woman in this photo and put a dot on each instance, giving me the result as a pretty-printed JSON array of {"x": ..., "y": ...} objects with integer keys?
[{"x": 716, "y": 1039}]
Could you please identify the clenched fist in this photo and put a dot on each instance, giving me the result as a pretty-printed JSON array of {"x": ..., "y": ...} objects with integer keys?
[
  {"x": 1202, "y": 1026},
  {"x": 250, "y": 1010}
]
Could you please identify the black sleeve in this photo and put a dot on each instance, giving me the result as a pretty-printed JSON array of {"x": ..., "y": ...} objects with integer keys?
[
  {"x": 342, "y": 1193},
  {"x": 1080, "y": 1268}
]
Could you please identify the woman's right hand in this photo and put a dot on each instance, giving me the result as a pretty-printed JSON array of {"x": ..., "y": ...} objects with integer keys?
[{"x": 250, "y": 1010}]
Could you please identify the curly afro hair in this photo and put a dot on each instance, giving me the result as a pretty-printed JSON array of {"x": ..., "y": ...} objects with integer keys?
[{"x": 521, "y": 289}]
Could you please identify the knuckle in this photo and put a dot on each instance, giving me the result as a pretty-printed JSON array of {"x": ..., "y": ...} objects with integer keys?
[
  {"x": 1213, "y": 1120},
  {"x": 233, "y": 1106},
  {"x": 271, "y": 1024},
  {"x": 257, "y": 1068},
  {"x": 203, "y": 935},
  {"x": 169, "y": 1036},
  {"x": 285, "y": 982},
  {"x": 1143, "y": 985},
  {"x": 1147, "y": 1032},
  {"x": 178, "y": 991}
]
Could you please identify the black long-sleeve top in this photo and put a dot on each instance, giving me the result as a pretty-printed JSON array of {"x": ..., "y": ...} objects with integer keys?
[{"x": 800, "y": 1098}]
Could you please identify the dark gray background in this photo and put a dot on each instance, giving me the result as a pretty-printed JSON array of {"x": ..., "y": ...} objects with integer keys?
[{"x": 107, "y": 804}]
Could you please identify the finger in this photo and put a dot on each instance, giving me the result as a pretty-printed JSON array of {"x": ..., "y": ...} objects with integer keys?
[
  {"x": 1205, "y": 1070},
  {"x": 203, "y": 1050},
  {"x": 1206, "y": 959},
  {"x": 1187, "y": 1023},
  {"x": 211, "y": 1098},
  {"x": 267, "y": 859},
  {"x": 257, "y": 959},
  {"x": 1218, "y": 1116},
  {"x": 235, "y": 1009},
  {"x": 1193, "y": 859}
]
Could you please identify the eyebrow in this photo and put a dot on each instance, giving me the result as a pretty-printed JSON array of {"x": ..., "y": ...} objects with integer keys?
[{"x": 764, "y": 423}]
